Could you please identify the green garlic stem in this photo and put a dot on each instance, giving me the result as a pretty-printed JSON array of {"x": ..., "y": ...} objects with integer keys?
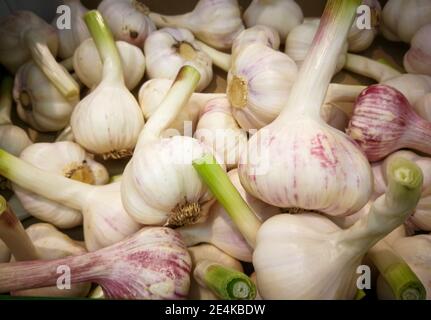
[
  {"x": 225, "y": 192},
  {"x": 6, "y": 100}
]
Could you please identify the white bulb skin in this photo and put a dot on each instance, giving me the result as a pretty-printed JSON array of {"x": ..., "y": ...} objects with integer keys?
[
  {"x": 281, "y": 15},
  {"x": 165, "y": 56},
  {"x": 89, "y": 68},
  {"x": 417, "y": 59},
  {"x": 257, "y": 34},
  {"x": 13, "y": 139}
]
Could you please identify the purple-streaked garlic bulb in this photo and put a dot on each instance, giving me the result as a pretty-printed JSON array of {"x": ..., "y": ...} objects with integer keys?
[
  {"x": 418, "y": 59},
  {"x": 383, "y": 121},
  {"x": 151, "y": 264}
]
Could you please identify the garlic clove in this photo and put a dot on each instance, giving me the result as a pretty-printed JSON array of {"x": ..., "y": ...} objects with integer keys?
[
  {"x": 281, "y": 15},
  {"x": 168, "y": 49},
  {"x": 215, "y": 23},
  {"x": 128, "y": 20}
]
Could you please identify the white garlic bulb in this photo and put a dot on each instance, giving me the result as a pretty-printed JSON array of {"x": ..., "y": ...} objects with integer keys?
[
  {"x": 70, "y": 38},
  {"x": 67, "y": 159},
  {"x": 402, "y": 18},
  {"x": 282, "y": 15},
  {"x": 88, "y": 65},
  {"x": 168, "y": 49},
  {"x": 258, "y": 85},
  {"x": 217, "y": 23},
  {"x": 417, "y": 59},
  {"x": 39, "y": 102},
  {"x": 152, "y": 93},
  {"x": 218, "y": 130},
  {"x": 128, "y": 20},
  {"x": 257, "y": 34}
]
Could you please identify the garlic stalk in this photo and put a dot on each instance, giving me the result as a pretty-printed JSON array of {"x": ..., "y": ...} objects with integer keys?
[
  {"x": 89, "y": 68},
  {"x": 65, "y": 135},
  {"x": 128, "y": 20},
  {"x": 151, "y": 264},
  {"x": 298, "y": 161},
  {"x": 417, "y": 59},
  {"x": 383, "y": 121},
  {"x": 218, "y": 130},
  {"x": 152, "y": 93},
  {"x": 402, "y": 18},
  {"x": 294, "y": 251},
  {"x": 211, "y": 253},
  {"x": 116, "y": 134},
  {"x": 39, "y": 103},
  {"x": 216, "y": 23},
  {"x": 220, "y": 231},
  {"x": 70, "y": 37},
  {"x": 375, "y": 70},
  {"x": 25, "y": 36},
  {"x": 281, "y": 15},
  {"x": 168, "y": 49},
  {"x": 258, "y": 84},
  {"x": 105, "y": 220},
  {"x": 66, "y": 159},
  {"x": 226, "y": 283},
  {"x": 159, "y": 184},
  {"x": 403, "y": 282},
  {"x": 13, "y": 139}
]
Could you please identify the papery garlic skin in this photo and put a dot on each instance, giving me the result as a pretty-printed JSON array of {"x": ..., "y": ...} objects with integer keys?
[
  {"x": 160, "y": 185},
  {"x": 128, "y": 20},
  {"x": 417, "y": 59},
  {"x": 52, "y": 244},
  {"x": 217, "y": 23},
  {"x": 13, "y": 139},
  {"x": 218, "y": 130},
  {"x": 151, "y": 95},
  {"x": 402, "y": 18},
  {"x": 168, "y": 49},
  {"x": 88, "y": 65},
  {"x": 259, "y": 83},
  {"x": 4, "y": 252},
  {"x": 39, "y": 103},
  {"x": 260, "y": 34},
  {"x": 282, "y": 15},
  {"x": 70, "y": 38},
  {"x": 67, "y": 159}
]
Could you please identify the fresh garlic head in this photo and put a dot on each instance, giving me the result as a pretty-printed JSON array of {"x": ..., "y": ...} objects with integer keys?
[
  {"x": 168, "y": 49},
  {"x": 152, "y": 93},
  {"x": 52, "y": 244},
  {"x": 160, "y": 185},
  {"x": 67, "y": 159},
  {"x": 402, "y": 18},
  {"x": 4, "y": 252},
  {"x": 13, "y": 139},
  {"x": 218, "y": 130},
  {"x": 257, "y": 34},
  {"x": 128, "y": 20},
  {"x": 217, "y": 23},
  {"x": 70, "y": 38},
  {"x": 282, "y": 15},
  {"x": 89, "y": 68},
  {"x": 299, "y": 41},
  {"x": 39, "y": 103},
  {"x": 258, "y": 84},
  {"x": 418, "y": 59},
  {"x": 412, "y": 86}
]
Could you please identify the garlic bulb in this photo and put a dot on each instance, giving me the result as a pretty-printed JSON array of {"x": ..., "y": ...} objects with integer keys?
[
  {"x": 159, "y": 184},
  {"x": 89, "y": 69},
  {"x": 299, "y": 40},
  {"x": 218, "y": 130},
  {"x": 25, "y": 36},
  {"x": 211, "y": 253},
  {"x": 216, "y": 23},
  {"x": 13, "y": 139},
  {"x": 402, "y": 18},
  {"x": 39, "y": 102},
  {"x": 152, "y": 94},
  {"x": 108, "y": 120},
  {"x": 360, "y": 39},
  {"x": 128, "y": 20},
  {"x": 168, "y": 49},
  {"x": 63, "y": 158},
  {"x": 258, "y": 84},
  {"x": 417, "y": 59},
  {"x": 281, "y": 15},
  {"x": 70, "y": 38},
  {"x": 412, "y": 86}
]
